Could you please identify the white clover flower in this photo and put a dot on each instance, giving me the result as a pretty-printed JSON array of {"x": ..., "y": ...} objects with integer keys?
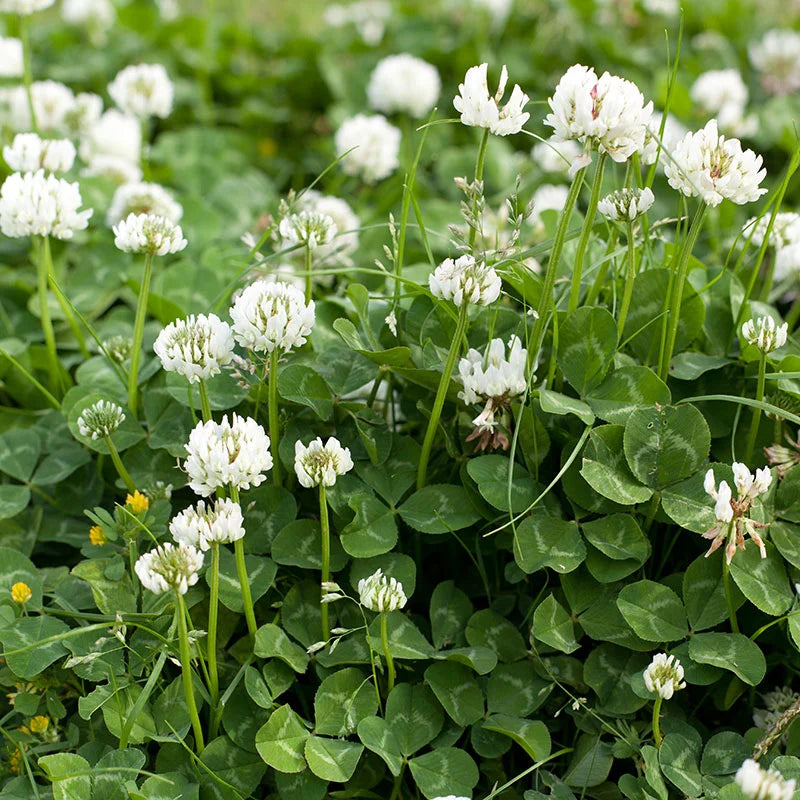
[
  {"x": 555, "y": 156},
  {"x": 480, "y": 110},
  {"x": 404, "y": 84},
  {"x": 708, "y": 165},
  {"x": 10, "y": 57},
  {"x": 723, "y": 510},
  {"x": 202, "y": 525},
  {"x": 548, "y": 197},
  {"x": 380, "y": 593},
  {"x": 24, "y": 7},
  {"x": 114, "y": 169},
  {"x": 498, "y": 10},
  {"x": 664, "y": 676},
  {"x": 626, "y": 204},
  {"x": 376, "y": 143},
  {"x": 785, "y": 230},
  {"x": 776, "y": 703},
  {"x": 787, "y": 261},
  {"x": 666, "y": 8},
  {"x": 33, "y": 204},
  {"x": 501, "y": 377},
  {"x": 52, "y": 102},
  {"x": 368, "y": 16},
  {"x": 100, "y": 419},
  {"x": 115, "y": 135},
  {"x": 777, "y": 58},
  {"x": 606, "y": 113},
  {"x": 347, "y": 223},
  {"x": 143, "y": 90},
  {"x": 311, "y": 229},
  {"x": 86, "y": 110},
  {"x": 764, "y": 334},
  {"x": 722, "y": 93},
  {"x": 268, "y": 316},
  {"x": 195, "y": 347},
  {"x": 29, "y": 153},
  {"x": 464, "y": 280},
  {"x": 222, "y": 454},
  {"x": 146, "y": 233},
  {"x": 169, "y": 566},
  {"x": 319, "y": 464},
  {"x": 97, "y": 15},
  {"x": 763, "y": 784},
  {"x": 143, "y": 198}
]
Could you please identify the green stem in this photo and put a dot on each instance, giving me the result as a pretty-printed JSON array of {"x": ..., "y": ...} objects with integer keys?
[
  {"x": 27, "y": 73},
  {"x": 205, "y": 403},
  {"x": 213, "y": 615},
  {"x": 308, "y": 274},
  {"x": 586, "y": 232},
  {"x": 47, "y": 323},
  {"x": 241, "y": 571},
  {"x": 186, "y": 670},
  {"x": 387, "y": 653},
  {"x": 656, "y": 722},
  {"x": 49, "y": 397},
  {"x": 726, "y": 582},
  {"x": 441, "y": 393},
  {"x": 398, "y": 783},
  {"x": 478, "y": 177},
  {"x": 138, "y": 333},
  {"x": 119, "y": 466},
  {"x": 274, "y": 424},
  {"x": 751, "y": 439},
  {"x": 629, "y": 278},
  {"x": 326, "y": 556},
  {"x": 674, "y": 303},
  {"x": 62, "y": 300},
  {"x": 597, "y": 285},
  {"x": 143, "y": 697}
]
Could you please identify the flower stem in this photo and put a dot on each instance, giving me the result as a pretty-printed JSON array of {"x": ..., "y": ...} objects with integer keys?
[
  {"x": 62, "y": 300},
  {"x": 726, "y": 582},
  {"x": 325, "y": 530},
  {"x": 27, "y": 73},
  {"x": 138, "y": 333},
  {"x": 441, "y": 393},
  {"x": 205, "y": 403},
  {"x": 478, "y": 177},
  {"x": 241, "y": 571},
  {"x": 47, "y": 323},
  {"x": 629, "y": 278},
  {"x": 656, "y": 721},
  {"x": 308, "y": 274},
  {"x": 120, "y": 467},
  {"x": 586, "y": 232},
  {"x": 751, "y": 439},
  {"x": 186, "y": 670},
  {"x": 211, "y": 646},
  {"x": 387, "y": 652},
  {"x": 274, "y": 425},
  {"x": 674, "y": 302}
]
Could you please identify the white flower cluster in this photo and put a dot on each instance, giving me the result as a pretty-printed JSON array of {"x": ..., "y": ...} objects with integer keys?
[
  {"x": 169, "y": 566},
  {"x": 143, "y": 198},
  {"x": 24, "y": 7},
  {"x": 501, "y": 377},
  {"x": 10, "y": 57},
  {"x": 318, "y": 464},
  {"x": 498, "y": 10},
  {"x": 548, "y": 197},
  {"x": 222, "y": 454},
  {"x": 664, "y": 676},
  {"x": 376, "y": 143},
  {"x": 195, "y": 347},
  {"x": 52, "y": 103},
  {"x": 480, "y": 110},
  {"x": 404, "y": 84},
  {"x": 763, "y": 784},
  {"x": 722, "y": 93},
  {"x": 776, "y": 703},
  {"x": 146, "y": 233},
  {"x": 200, "y": 526},
  {"x": 777, "y": 58},
  {"x": 368, "y": 16},
  {"x": 143, "y": 91},
  {"x": 765, "y": 334},
  {"x": 714, "y": 168},
  {"x": 626, "y": 205},
  {"x": 347, "y": 223},
  {"x": 606, "y": 113},
  {"x": 35, "y": 204},
  {"x": 100, "y": 419},
  {"x": 97, "y": 15},
  {"x": 112, "y": 145},
  {"x": 555, "y": 156},
  {"x": 312, "y": 229},
  {"x": 380, "y": 593},
  {"x": 784, "y": 238},
  {"x": 464, "y": 280},
  {"x": 29, "y": 153}
]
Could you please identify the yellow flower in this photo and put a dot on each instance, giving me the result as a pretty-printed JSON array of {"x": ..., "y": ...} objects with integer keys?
[
  {"x": 96, "y": 535},
  {"x": 137, "y": 502},
  {"x": 21, "y": 593},
  {"x": 39, "y": 723},
  {"x": 15, "y": 761}
]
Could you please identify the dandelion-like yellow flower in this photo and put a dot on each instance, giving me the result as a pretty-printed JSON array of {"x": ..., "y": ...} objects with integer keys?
[
  {"x": 96, "y": 535},
  {"x": 15, "y": 761},
  {"x": 137, "y": 502},
  {"x": 21, "y": 593},
  {"x": 39, "y": 723}
]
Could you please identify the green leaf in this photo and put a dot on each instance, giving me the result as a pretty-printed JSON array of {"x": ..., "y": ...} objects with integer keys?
[
  {"x": 405, "y": 639},
  {"x": 590, "y": 764},
  {"x": 372, "y": 532},
  {"x": 587, "y": 341},
  {"x": 332, "y": 759},
  {"x": 19, "y": 452},
  {"x": 457, "y": 690},
  {"x": 299, "y": 544},
  {"x": 652, "y": 772},
  {"x": 24, "y": 647},
  {"x": 261, "y": 572},
  {"x": 269, "y": 509},
  {"x": 490, "y": 473},
  {"x": 280, "y": 741},
  {"x": 342, "y": 701},
  {"x": 545, "y": 541},
  {"x": 70, "y": 775},
  {"x": 678, "y": 757},
  {"x": 626, "y": 389},
  {"x": 303, "y": 385},
  {"x": 224, "y": 392},
  {"x": 605, "y": 469},
  {"x": 516, "y": 689},
  {"x": 561, "y": 404},
  {"x": 690, "y": 366},
  {"x": 786, "y": 537},
  {"x": 110, "y": 596},
  {"x": 238, "y": 768},
  {"x": 449, "y": 611},
  {"x": 553, "y": 626},
  {"x": 724, "y": 752},
  {"x": 763, "y": 581},
  {"x": 704, "y": 592},
  {"x": 481, "y": 659},
  {"x": 446, "y": 769},
  {"x": 618, "y": 536},
  {"x": 653, "y": 610},
  {"x": 687, "y": 502},
  {"x": 13, "y": 499},
  {"x": 113, "y": 770},
  {"x": 531, "y": 735},
  {"x": 609, "y": 671},
  {"x": 487, "y": 628},
  {"x": 439, "y": 508},
  {"x": 664, "y": 444},
  {"x": 18, "y": 568},
  {"x": 731, "y": 651},
  {"x": 272, "y": 642},
  {"x": 376, "y": 735},
  {"x": 414, "y": 716}
]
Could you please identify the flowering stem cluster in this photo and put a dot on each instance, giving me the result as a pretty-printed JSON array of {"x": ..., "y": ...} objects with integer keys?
[{"x": 138, "y": 333}]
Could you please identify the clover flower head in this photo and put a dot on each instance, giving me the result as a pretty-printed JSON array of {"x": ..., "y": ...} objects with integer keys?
[
  {"x": 100, "y": 419},
  {"x": 137, "y": 502},
  {"x": 271, "y": 316},
  {"x": 479, "y": 109},
  {"x": 35, "y": 204},
  {"x": 85, "y": 111},
  {"x": 29, "y": 153},
  {"x": 464, "y": 280},
  {"x": 169, "y": 566},
  {"x": 113, "y": 168},
  {"x": 495, "y": 375},
  {"x": 776, "y": 703},
  {"x": 320, "y": 465},
  {"x": 378, "y": 592},
  {"x": 777, "y": 58},
  {"x": 311, "y": 229},
  {"x": 765, "y": 334},
  {"x": 21, "y": 593},
  {"x": 763, "y": 784},
  {"x": 404, "y": 84},
  {"x": 24, "y": 7},
  {"x": 368, "y": 16},
  {"x": 626, "y": 205},
  {"x": 112, "y": 135},
  {"x": 722, "y": 93},
  {"x": 222, "y": 454},
  {"x": 347, "y": 223},
  {"x": 373, "y": 145},
  {"x": 143, "y": 91},
  {"x": 97, "y": 15},
  {"x": 664, "y": 676},
  {"x": 195, "y": 347},
  {"x": 785, "y": 230},
  {"x": 147, "y": 233},
  {"x": 11, "y": 64},
  {"x": 202, "y": 525},
  {"x": 143, "y": 198},
  {"x": 714, "y": 168}
]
